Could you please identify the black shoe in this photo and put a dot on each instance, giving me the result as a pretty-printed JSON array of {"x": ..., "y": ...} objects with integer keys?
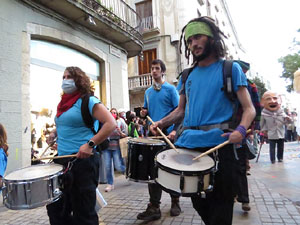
[
  {"x": 280, "y": 160},
  {"x": 246, "y": 207},
  {"x": 175, "y": 208},
  {"x": 151, "y": 213},
  {"x": 272, "y": 162}
]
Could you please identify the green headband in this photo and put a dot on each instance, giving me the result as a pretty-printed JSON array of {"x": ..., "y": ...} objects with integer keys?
[{"x": 194, "y": 28}]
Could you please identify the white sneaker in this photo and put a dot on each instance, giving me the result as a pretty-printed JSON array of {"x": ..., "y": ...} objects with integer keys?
[{"x": 109, "y": 188}]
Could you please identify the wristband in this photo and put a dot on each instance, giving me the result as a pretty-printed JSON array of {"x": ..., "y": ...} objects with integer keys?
[{"x": 242, "y": 130}]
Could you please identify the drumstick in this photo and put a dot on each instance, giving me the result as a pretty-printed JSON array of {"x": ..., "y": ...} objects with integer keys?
[
  {"x": 56, "y": 157},
  {"x": 50, "y": 145},
  {"x": 215, "y": 148},
  {"x": 164, "y": 136}
]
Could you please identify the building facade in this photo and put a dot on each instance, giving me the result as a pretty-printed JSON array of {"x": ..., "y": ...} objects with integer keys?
[
  {"x": 39, "y": 38},
  {"x": 162, "y": 22}
]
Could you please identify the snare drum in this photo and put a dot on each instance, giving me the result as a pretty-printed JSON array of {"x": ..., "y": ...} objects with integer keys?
[
  {"x": 178, "y": 173},
  {"x": 32, "y": 186},
  {"x": 140, "y": 163}
]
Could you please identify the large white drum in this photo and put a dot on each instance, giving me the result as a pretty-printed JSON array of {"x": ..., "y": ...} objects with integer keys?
[
  {"x": 32, "y": 186},
  {"x": 178, "y": 173}
]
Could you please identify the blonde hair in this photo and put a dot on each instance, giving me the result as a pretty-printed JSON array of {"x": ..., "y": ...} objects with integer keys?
[{"x": 3, "y": 139}]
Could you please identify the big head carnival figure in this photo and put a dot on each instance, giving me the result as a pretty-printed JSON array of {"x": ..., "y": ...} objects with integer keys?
[{"x": 272, "y": 123}]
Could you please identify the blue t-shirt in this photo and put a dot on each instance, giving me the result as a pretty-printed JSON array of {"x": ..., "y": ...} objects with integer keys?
[
  {"x": 161, "y": 103},
  {"x": 3, "y": 162},
  {"x": 71, "y": 129},
  {"x": 207, "y": 104}
]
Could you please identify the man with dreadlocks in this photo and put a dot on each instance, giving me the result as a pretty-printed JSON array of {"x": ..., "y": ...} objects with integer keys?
[{"x": 205, "y": 110}]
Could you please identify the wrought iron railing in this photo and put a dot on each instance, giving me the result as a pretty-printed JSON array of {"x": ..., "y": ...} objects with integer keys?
[
  {"x": 117, "y": 12},
  {"x": 139, "y": 82}
]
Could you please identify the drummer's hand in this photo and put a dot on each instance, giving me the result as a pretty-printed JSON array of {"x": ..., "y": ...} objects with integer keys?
[
  {"x": 171, "y": 135},
  {"x": 153, "y": 128},
  {"x": 54, "y": 147},
  {"x": 234, "y": 137},
  {"x": 84, "y": 151}
]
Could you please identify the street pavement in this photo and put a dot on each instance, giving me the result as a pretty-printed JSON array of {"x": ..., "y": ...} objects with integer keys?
[{"x": 274, "y": 191}]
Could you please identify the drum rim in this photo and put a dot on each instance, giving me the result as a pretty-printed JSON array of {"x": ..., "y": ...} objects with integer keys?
[
  {"x": 58, "y": 173},
  {"x": 186, "y": 173},
  {"x": 179, "y": 172},
  {"x": 188, "y": 194},
  {"x": 158, "y": 142}
]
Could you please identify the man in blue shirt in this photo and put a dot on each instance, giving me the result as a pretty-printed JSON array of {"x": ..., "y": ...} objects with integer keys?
[
  {"x": 205, "y": 111},
  {"x": 159, "y": 101}
]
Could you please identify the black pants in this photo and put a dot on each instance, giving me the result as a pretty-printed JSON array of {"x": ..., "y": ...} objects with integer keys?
[
  {"x": 217, "y": 207},
  {"x": 280, "y": 149},
  {"x": 155, "y": 193},
  {"x": 77, "y": 204},
  {"x": 242, "y": 182}
]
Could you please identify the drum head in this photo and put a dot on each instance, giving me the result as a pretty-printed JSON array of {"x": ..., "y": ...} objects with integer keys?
[
  {"x": 34, "y": 172},
  {"x": 146, "y": 141},
  {"x": 183, "y": 161}
]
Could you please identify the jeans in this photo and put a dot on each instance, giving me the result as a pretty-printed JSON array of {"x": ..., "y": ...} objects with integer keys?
[
  {"x": 115, "y": 157},
  {"x": 280, "y": 148}
]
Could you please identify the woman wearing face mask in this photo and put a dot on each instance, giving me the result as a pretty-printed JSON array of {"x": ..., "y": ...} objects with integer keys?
[
  {"x": 77, "y": 204},
  {"x": 113, "y": 152}
]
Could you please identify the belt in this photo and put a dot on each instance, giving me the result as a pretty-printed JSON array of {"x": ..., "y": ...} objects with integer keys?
[{"x": 222, "y": 126}]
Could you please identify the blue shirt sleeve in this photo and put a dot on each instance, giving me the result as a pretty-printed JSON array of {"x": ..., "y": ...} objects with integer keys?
[
  {"x": 3, "y": 162},
  {"x": 145, "y": 100},
  {"x": 93, "y": 100}
]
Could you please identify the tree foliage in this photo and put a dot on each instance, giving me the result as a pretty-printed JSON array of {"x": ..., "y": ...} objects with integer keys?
[
  {"x": 290, "y": 64},
  {"x": 261, "y": 87}
]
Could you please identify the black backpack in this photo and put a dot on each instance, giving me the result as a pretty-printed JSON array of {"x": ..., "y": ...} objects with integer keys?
[{"x": 89, "y": 122}]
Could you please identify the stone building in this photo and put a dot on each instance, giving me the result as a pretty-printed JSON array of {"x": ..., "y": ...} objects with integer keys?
[
  {"x": 162, "y": 22},
  {"x": 39, "y": 38}
]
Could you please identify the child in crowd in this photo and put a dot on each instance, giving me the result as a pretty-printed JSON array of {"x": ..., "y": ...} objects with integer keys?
[{"x": 3, "y": 153}]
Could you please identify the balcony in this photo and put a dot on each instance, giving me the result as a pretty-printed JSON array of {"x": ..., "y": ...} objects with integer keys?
[
  {"x": 112, "y": 19},
  {"x": 139, "y": 83}
]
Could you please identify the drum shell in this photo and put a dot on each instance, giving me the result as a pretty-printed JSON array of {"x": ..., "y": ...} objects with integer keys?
[
  {"x": 31, "y": 193},
  {"x": 170, "y": 180},
  {"x": 140, "y": 163},
  {"x": 185, "y": 183}
]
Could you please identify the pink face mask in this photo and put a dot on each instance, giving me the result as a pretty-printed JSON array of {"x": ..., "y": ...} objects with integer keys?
[{"x": 114, "y": 115}]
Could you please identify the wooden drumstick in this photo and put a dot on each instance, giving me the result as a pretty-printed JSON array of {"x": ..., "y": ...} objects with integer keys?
[
  {"x": 56, "y": 157},
  {"x": 164, "y": 136},
  {"x": 215, "y": 148},
  {"x": 50, "y": 145}
]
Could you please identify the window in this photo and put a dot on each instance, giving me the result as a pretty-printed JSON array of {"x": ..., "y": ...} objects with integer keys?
[
  {"x": 48, "y": 62},
  {"x": 145, "y": 64},
  {"x": 144, "y": 10},
  {"x": 201, "y": 2}
]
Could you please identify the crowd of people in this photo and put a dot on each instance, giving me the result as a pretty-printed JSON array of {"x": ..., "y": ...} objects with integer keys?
[{"x": 83, "y": 124}]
